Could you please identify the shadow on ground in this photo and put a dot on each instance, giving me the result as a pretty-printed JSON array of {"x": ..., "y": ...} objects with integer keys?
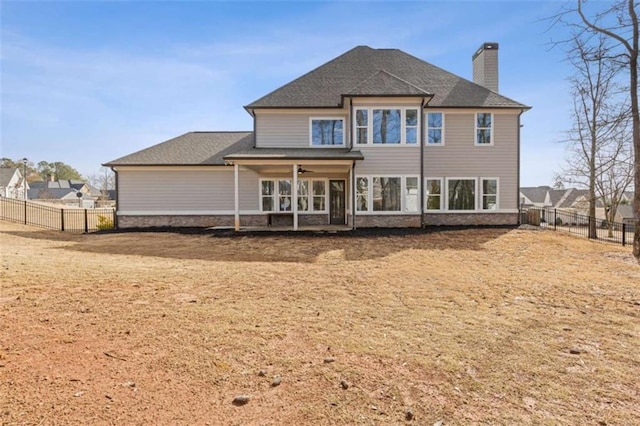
[{"x": 215, "y": 245}]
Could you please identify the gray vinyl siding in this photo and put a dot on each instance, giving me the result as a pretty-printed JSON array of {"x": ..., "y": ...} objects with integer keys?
[
  {"x": 290, "y": 130},
  {"x": 459, "y": 157},
  {"x": 184, "y": 190},
  {"x": 398, "y": 160}
]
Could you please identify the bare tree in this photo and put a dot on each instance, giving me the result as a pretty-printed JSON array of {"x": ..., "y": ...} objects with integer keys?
[
  {"x": 599, "y": 120},
  {"x": 104, "y": 180},
  {"x": 618, "y": 22},
  {"x": 624, "y": 30}
]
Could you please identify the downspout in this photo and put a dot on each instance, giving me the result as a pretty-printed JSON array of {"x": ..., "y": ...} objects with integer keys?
[
  {"x": 115, "y": 216},
  {"x": 353, "y": 167},
  {"x": 421, "y": 184},
  {"x": 518, "y": 206}
]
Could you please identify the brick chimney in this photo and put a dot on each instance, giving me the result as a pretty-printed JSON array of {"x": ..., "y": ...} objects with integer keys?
[{"x": 485, "y": 66}]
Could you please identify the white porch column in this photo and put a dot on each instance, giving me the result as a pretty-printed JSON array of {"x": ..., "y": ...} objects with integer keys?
[
  {"x": 236, "y": 198},
  {"x": 350, "y": 196},
  {"x": 294, "y": 197}
]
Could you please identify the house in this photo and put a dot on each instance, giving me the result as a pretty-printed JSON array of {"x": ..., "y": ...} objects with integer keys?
[
  {"x": 69, "y": 197},
  {"x": 535, "y": 196},
  {"x": 12, "y": 183},
  {"x": 372, "y": 138}
]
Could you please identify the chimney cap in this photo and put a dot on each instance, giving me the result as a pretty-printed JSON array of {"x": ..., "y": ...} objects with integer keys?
[{"x": 485, "y": 46}]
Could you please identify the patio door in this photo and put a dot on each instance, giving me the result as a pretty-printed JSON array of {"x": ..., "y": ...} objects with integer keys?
[{"x": 337, "y": 202}]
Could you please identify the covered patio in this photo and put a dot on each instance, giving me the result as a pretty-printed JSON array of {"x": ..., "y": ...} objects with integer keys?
[{"x": 311, "y": 188}]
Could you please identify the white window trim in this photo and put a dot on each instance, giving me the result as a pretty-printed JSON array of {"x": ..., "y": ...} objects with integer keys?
[
  {"x": 426, "y": 136},
  {"x": 476, "y": 128},
  {"x": 344, "y": 130},
  {"x": 482, "y": 194},
  {"x": 277, "y": 195},
  {"x": 475, "y": 194},
  {"x": 403, "y": 127},
  {"x": 442, "y": 187}
]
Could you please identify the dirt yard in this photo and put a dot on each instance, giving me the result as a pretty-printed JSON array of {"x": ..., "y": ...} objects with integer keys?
[{"x": 488, "y": 326}]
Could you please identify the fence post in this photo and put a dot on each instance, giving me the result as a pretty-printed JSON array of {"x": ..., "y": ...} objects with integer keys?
[
  {"x": 555, "y": 219},
  {"x": 624, "y": 234},
  {"x": 115, "y": 219},
  {"x": 86, "y": 222},
  {"x": 589, "y": 228},
  {"x": 25, "y": 212},
  {"x": 62, "y": 219}
]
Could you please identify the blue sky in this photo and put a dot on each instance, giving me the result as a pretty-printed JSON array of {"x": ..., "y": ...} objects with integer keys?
[{"x": 86, "y": 82}]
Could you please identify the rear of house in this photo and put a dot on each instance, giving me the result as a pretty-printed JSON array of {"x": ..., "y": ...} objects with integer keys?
[{"x": 374, "y": 137}]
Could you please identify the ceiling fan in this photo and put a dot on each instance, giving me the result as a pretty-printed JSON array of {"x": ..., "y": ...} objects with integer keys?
[{"x": 302, "y": 171}]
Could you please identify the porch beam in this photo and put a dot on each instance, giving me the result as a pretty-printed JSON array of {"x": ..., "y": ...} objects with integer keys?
[
  {"x": 294, "y": 196},
  {"x": 236, "y": 198}
]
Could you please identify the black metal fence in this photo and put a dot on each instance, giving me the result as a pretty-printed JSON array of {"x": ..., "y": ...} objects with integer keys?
[
  {"x": 574, "y": 223},
  {"x": 57, "y": 218}
]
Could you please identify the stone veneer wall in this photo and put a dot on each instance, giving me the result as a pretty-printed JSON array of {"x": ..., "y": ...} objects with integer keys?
[
  {"x": 387, "y": 221},
  {"x": 189, "y": 221},
  {"x": 462, "y": 219}
]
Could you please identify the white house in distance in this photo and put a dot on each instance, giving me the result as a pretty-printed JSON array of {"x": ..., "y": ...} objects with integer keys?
[
  {"x": 372, "y": 138},
  {"x": 12, "y": 184}
]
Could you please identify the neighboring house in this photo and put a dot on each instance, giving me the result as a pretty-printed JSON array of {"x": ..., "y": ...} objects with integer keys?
[
  {"x": 70, "y": 197},
  {"x": 78, "y": 185},
  {"x": 374, "y": 137},
  {"x": 536, "y": 196},
  {"x": 12, "y": 184},
  {"x": 624, "y": 214}
]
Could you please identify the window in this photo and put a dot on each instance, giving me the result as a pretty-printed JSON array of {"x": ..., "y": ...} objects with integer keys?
[
  {"x": 275, "y": 195},
  {"x": 411, "y": 194},
  {"x": 319, "y": 197},
  {"x": 435, "y": 128},
  {"x": 433, "y": 194},
  {"x": 387, "y": 194},
  {"x": 386, "y": 126},
  {"x": 362, "y": 126},
  {"x": 327, "y": 131},
  {"x": 489, "y": 194},
  {"x": 411, "y": 126},
  {"x": 362, "y": 194},
  {"x": 284, "y": 195},
  {"x": 462, "y": 194},
  {"x": 303, "y": 195},
  {"x": 268, "y": 195},
  {"x": 484, "y": 122}
]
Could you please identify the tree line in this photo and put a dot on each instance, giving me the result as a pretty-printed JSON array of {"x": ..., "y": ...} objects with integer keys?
[{"x": 58, "y": 170}]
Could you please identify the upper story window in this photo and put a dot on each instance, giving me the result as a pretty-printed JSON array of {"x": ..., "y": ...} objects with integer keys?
[
  {"x": 389, "y": 126},
  {"x": 435, "y": 128},
  {"x": 484, "y": 128},
  {"x": 327, "y": 132},
  {"x": 362, "y": 126}
]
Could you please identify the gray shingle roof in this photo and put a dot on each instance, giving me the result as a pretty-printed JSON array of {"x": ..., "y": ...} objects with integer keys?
[
  {"x": 193, "y": 148},
  {"x": 296, "y": 154},
  {"x": 53, "y": 193},
  {"x": 6, "y": 173},
  {"x": 326, "y": 85},
  {"x": 536, "y": 194}
]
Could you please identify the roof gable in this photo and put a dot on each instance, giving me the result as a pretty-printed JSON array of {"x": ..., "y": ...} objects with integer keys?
[
  {"x": 384, "y": 83},
  {"x": 6, "y": 174},
  {"x": 347, "y": 75}
]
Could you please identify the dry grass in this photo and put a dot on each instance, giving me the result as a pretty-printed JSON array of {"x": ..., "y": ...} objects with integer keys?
[{"x": 468, "y": 327}]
